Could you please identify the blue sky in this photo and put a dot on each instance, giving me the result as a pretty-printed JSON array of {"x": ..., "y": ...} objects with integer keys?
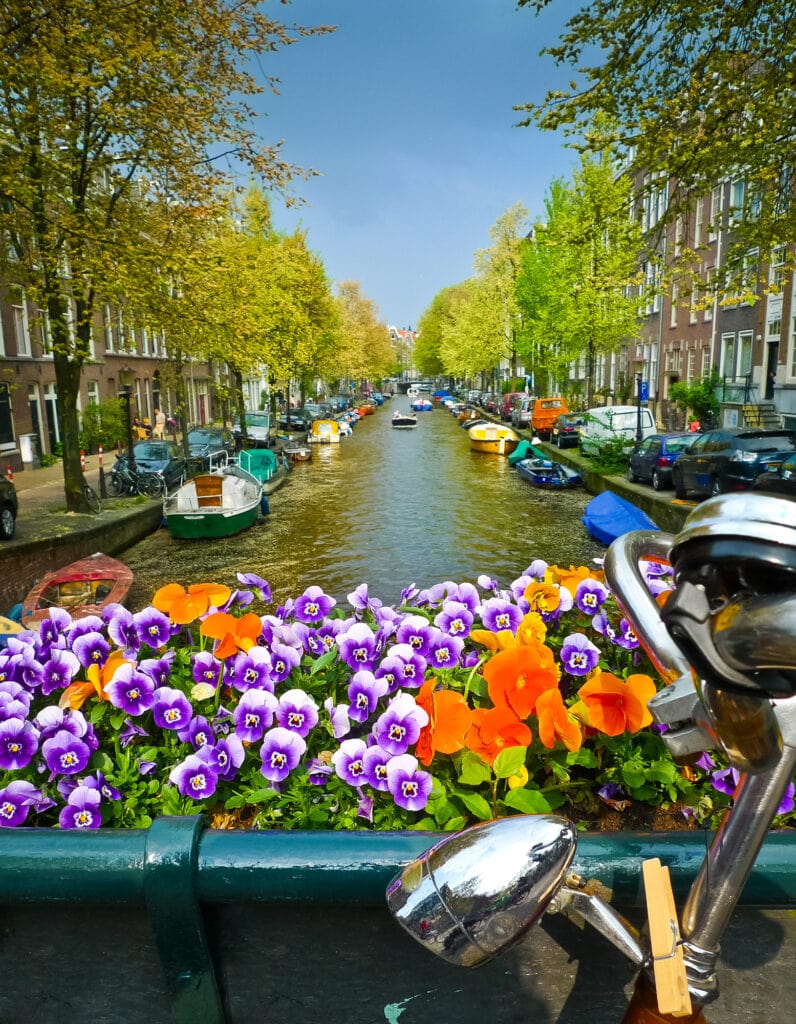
[{"x": 406, "y": 112}]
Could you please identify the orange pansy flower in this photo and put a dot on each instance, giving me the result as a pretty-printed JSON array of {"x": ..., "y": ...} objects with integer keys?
[
  {"x": 532, "y": 629},
  {"x": 543, "y": 597},
  {"x": 232, "y": 634},
  {"x": 449, "y": 718},
  {"x": 183, "y": 606},
  {"x": 517, "y": 676},
  {"x": 493, "y": 641},
  {"x": 76, "y": 695},
  {"x": 495, "y": 729},
  {"x": 616, "y": 706},
  {"x": 555, "y": 722}
]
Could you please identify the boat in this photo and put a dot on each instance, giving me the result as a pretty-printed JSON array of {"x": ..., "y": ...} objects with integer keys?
[
  {"x": 82, "y": 588},
  {"x": 265, "y": 466},
  {"x": 324, "y": 432},
  {"x": 8, "y": 628},
  {"x": 547, "y": 474},
  {"x": 404, "y": 420},
  {"x": 422, "y": 405},
  {"x": 607, "y": 516},
  {"x": 467, "y": 414},
  {"x": 297, "y": 452},
  {"x": 493, "y": 439},
  {"x": 526, "y": 450},
  {"x": 218, "y": 504}
]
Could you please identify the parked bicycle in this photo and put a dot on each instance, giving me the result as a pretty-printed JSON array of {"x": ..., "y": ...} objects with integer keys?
[
  {"x": 92, "y": 498},
  {"x": 730, "y": 624},
  {"x": 123, "y": 480}
]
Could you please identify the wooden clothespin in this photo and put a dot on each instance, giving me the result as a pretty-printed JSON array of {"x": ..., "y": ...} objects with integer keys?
[{"x": 671, "y": 984}]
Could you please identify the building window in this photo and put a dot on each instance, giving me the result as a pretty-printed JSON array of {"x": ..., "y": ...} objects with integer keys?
[
  {"x": 774, "y": 329},
  {"x": 737, "y": 193},
  {"x": 792, "y": 349},
  {"x": 691, "y": 365},
  {"x": 776, "y": 274},
  {"x": 92, "y": 389},
  {"x": 745, "y": 353},
  {"x": 43, "y": 319},
  {"x": 715, "y": 213},
  {"x": 727, "y": 367},
  {"x": 705, "y": 361},
  {"x": 107, "y": 327},
  {"x": 698, "y": 225},
  {"x": 22, "y": 329},
  {"x": 710, "y": 279},
  {"x": 675, "y": 296},
  {"x": 6, "y": 419}
]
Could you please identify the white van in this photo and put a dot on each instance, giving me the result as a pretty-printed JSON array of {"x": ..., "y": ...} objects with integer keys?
[{"x": 606, "y": 422}]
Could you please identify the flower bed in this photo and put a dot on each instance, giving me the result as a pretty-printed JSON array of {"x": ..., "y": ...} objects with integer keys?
[{"x": 464, "y": 703}]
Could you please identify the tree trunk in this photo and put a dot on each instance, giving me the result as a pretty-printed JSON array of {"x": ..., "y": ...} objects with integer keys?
[{"x": 237, "y": 377}]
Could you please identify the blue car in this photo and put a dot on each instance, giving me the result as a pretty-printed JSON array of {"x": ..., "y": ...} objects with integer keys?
[{"x": 652, "y": 461}]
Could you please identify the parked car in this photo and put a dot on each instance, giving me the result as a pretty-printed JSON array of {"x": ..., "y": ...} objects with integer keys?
[
  {"x": 730, "y": 459},
  {"x": 521, "y": 412},
  {"x": 296, "y": 420},
  {"x": 544, "y": 413},
  {"x": 652, "y": 461},
  {"x": 340, "y": 402},
  {"x": 613, "y": 423},
  {"x": 508, "y": 403},
  {"x": 210, "y": 446},
  {"x": 165, "y": 458},
  {"x": 492, "y": 404},
  {"x": 780, "y": 481},
  {"x": 8, "y": 508},
  {"x": 565, "y": 429},
  {"x": 258, "y": 429},
  {"x": 319, "y": 410}
]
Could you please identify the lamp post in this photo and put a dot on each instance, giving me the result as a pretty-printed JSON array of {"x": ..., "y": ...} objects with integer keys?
[
  {"x": 638, "y": 410},
  {"x": 126, "y": 394}
]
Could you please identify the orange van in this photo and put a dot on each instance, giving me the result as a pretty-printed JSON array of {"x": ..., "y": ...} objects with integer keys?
[{"x": 545, "y": 412}]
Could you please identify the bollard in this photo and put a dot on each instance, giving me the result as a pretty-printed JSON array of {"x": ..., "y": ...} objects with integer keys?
[
  {"x": 10, "y": 473},
  {"x": 103, "y": 490},
  {"x": 99, "y": 456},
  {"x": 82, "y": 460}
]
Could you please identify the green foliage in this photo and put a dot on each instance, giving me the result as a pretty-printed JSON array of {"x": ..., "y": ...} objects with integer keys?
[
  {"x": 699, "y": 397},
  {"x": 611, "y": 459},
  {"x": 104, "y": 424}
]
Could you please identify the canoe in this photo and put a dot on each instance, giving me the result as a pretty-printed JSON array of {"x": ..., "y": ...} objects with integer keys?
[
  {"x": 218, "y": 504},
  {"x": 404, "y": 420},
  {"x": 324, "y": 432},
  {"x": 296, "y": 452},
  {"x": 547, "y": 474},
  {"x": 607, "y": 516},
  {"x": 83, "y": 588},
  {"x": 265, "y": 466},
  {"x": 492, "y": 439}
]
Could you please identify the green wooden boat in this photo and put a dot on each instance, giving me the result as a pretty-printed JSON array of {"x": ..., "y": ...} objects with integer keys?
[
  {"x": 217, "y": 504},
  {"x": 265, "y": 466}
]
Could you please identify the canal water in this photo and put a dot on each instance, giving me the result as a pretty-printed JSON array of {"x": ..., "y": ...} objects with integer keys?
[{"x": 389, "y": 508}]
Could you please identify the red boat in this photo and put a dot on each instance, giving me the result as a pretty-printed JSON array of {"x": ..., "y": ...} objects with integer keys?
[{"x": 82, "y": 588}]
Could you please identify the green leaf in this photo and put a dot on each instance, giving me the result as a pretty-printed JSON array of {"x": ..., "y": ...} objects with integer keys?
[
  {"x": 509, "y": 761},
  {"x": 529, "y": 801},
  {"x": 475, "y": 804},
  {"x": 323, "y": 662},
  {"x": 632, "y": 777},
  {"x": 473, "y": 771}
]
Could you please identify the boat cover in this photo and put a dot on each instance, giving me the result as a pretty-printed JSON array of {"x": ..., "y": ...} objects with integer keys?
[{"x": 607, "y": 516}]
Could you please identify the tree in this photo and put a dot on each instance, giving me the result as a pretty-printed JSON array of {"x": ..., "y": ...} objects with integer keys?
[
  {"x": 700, "y": 92},
  {"x": 577, "y": 291},
  {"x": 428, "y": 344},
  {"x": 364, "y": 348},
  {"x": 105, "y": 106}
]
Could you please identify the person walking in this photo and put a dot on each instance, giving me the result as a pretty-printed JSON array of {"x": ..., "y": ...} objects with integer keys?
[{"x": 160, "y": 423}]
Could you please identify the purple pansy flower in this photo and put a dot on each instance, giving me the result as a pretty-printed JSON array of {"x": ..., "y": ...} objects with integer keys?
[
  {"x": 257, "y": 583},
  {"x": 455, "y": 619},
  {"x": 411, "y": 665},
  {"x": 313, "y": 605},
  {"x": 487, "y": 583},
  {"x": 365, "y": 691},
  {"x": 283, "y": 660},
  {"x": 408, "y": 594},
  {"x": 158, "y": 669},
  {"x": 198, "y": 732},
  {"x": 16, "y": 799},
  {"x": 415, "y": 631},
  {"x": 51, "y": 628},
  {"x": 65, "y": 754},
  {"x": 297, "y": 711},
  {"x": 171, "y": 709},
  {"x": 154, "y": 628},
  {"x": 318, "y": 771},
  {"x": 590, "y": 596},
  {"x": 537, "y": 570},
  {"x": 130, "y": 690},
  {"x": 122, "y": 630},
  {"x": 338, "y": 716},
  {"x": 82, "y": 811},
  {"x": 347, "y": 761},
  {"x": 82, "y": 626},
  {"x": 129, "y": 732},
  {"x": 280, "y": 753},
  {"x": 726, "y": 780},
  {"x": 365, "y": 807},
  {"x": 410, "y": 788},
  {"x": 626, "y": 637},
  {"x": 399, "y": 726},
  {"x": 251, "y": 670},
  {"x": 375, "y": 761},
  {"x": 226, "y": 756},
  {"x": 91, "y": 649},
  {"x": 578, "y": 654},
  {"x": 361, "y": 601},
  {"x": 357, "y": 646},
  {"x": 58, "y": 671},
  {"x": 205, "y": 668},
  {"x": 194, "y": 777},
  {"x": 19, "y": 741},
  {"x": 498, "y": 614},
  {"x": 254, "y": 714},
  {"x": 444, "y": 651}
]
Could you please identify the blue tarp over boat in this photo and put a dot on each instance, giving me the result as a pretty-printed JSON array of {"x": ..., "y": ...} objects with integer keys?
[
  {"x": 526, "y": 450},
  {"x": 608, "y": 516}
]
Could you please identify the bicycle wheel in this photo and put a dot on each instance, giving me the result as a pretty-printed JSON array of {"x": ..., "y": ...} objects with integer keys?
[
  {"x": 151, "y": 485},
  {"x": 92, "y": 499}
]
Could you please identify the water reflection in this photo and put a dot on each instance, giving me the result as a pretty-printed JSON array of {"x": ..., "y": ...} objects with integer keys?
[{"x": 385, "y": 507}]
